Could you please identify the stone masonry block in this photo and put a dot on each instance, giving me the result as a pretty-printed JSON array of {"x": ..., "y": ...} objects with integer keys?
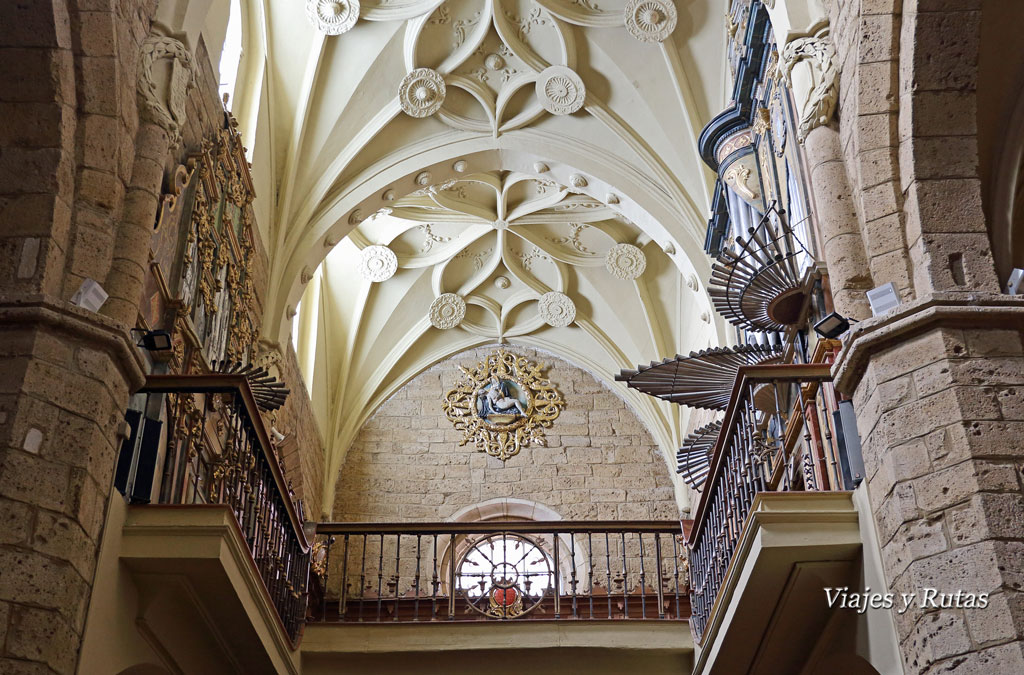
[
  {"x": 939, "y": 635},
  {"x": 995, "y": 623},
  {"x": 41, "y": 635},
  {"x": 598, "y": 457},
  {"x": 914, "y": 540},
  {"x": 1007, "y": 659},
  {"x": 16, "y": 519},
  {"x": 969, "y": 568}
]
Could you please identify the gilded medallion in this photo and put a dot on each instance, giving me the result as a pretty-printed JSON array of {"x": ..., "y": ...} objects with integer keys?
[{"x": 503, "y": 404}]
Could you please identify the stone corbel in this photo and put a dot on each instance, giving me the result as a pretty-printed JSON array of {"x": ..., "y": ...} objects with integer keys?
[
  {"x": 815, "y": 85},
  {"x": 166, "y": 74}
]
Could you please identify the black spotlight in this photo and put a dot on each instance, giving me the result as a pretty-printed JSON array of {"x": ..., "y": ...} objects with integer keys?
[
  {"x": 832, "y": 326},
  {"x": 153, "y": 340}
]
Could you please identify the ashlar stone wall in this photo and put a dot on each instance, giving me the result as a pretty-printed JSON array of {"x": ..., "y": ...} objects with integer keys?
[
  {"x": 600, "y": 462},
  {"x": 407, "y": 465},
  {"x": 936, "y": 382}
]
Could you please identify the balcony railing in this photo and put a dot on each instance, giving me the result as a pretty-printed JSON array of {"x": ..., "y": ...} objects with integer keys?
[
  {"x": 216, "y": 450},
  {"x": 783, "y": 431},
  {"x": 498, "y": 570}
]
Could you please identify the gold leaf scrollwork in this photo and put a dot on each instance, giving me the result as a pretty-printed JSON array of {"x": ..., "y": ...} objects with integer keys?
[
  {"x": 318, "y": 557},
  {"x": 503, "y": 404}
]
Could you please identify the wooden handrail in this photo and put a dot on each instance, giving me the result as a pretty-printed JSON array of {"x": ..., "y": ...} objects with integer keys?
[
  {"x": 220, "y": 383},
  {"x": 510, "y": 526},
  {"x": 793, "y": 372}
]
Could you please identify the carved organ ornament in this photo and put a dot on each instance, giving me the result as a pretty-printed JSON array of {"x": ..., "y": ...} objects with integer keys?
[
  {"x": 764, "y": 264},
  {"x": 201, "y": 287},
  {"x": 810, "y": 68}
]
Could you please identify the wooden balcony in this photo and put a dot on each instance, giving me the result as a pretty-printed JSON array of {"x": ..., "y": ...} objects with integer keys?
[
  {"x": 200, "y": 440},
  {"x": 775, "y": 521},
  {"x": 499, "y": 571}
]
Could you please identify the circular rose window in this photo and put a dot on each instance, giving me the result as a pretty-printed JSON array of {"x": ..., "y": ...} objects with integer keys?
[{"x": 504, "y": 576}]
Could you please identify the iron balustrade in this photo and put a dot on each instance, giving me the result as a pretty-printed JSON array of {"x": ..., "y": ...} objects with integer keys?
[
  {"x": 498, "y": 570},
  {"x": 782, "y": 432},
  {"x": 217, "y": 451}
]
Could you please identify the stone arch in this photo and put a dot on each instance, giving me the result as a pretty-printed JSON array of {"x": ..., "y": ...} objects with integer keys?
[
  {"x": 1001, "y": 133},
  {"x": 945, "y": 226},
  {"x": 504, "y": 508}
]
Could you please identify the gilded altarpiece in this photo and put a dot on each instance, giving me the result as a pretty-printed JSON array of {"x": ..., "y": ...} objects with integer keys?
[
  {"x": 201, "y": 286},
  {"x": 201, "y": 289}
]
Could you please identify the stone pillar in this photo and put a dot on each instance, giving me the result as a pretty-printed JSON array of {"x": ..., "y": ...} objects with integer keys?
[
  {"x": 65, "y": 373},
  {"x": 166, "y": 73},
  {"x": 946, "y": 230},
  {"x": 65, "y": 376},
  {"x": 842, "y": 244},
  {"x": 937, "y": 385}
]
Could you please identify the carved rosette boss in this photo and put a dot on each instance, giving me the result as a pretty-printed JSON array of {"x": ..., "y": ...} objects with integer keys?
[
  {"x": 421, "y": 92},
  {"x": 333, "y": 17},
  {"x": 378, "y": 263},
  {"x": 650, "y": 20},
  {"x": 447, "y": 311},
  {"x": 162, "y": 92},
  {"x": 557, "y": 309},
  {"x": 560, "y": 90},
  {"x": 625, "y": 261}
]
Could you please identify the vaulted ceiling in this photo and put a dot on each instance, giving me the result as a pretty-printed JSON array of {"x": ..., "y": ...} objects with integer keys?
[
  {"x": 483, "y": 143},
  {"x": 491, "y": 257}
]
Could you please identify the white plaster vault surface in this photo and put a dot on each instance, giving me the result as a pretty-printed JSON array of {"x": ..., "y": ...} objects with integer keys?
[{"x": 500, "y": 149}]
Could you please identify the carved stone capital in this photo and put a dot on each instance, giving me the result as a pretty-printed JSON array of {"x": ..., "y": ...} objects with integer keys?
[
  {"x": 816, "y": 97},
  {"x": 872, "y": 336},
  {"x": 166, "y": 73}
]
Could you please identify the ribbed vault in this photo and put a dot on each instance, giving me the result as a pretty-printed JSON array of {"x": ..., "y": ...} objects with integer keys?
[
  {"x": 350, "y": 108},
  {"x": 492, "y": 257}
]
